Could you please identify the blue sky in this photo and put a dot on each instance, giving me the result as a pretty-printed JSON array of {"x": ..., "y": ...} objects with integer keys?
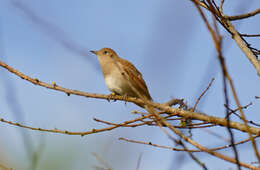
[{"x": 166, "y": 40}]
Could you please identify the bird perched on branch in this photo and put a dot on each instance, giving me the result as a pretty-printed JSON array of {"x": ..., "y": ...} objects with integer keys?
[{"x": 121, "y": 76}]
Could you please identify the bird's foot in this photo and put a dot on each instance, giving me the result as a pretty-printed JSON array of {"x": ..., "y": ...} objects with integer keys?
[{"x": 110, "y": 96}]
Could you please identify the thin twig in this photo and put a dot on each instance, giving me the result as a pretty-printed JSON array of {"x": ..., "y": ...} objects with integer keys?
[
  {"x": 70, "y": 132},
  {"x": 234, "y": 112},
  {"x": 250, "y": 35},
  {"x": 155, "y": 145},
  {"x": 237, "y": 109},
  {"x": 202, "y": 94},
  {"x": 221, "y": 6},
  {"x": 102, "y": 161},
  {"x": 196, "y": 159},
  {"x": 243, "y": 16},
  {"x": 187, "y": 150},
  {"x": 153, "y": 123},
  {"x": 162, "y": 121},
  {"x": 139, "y": 161}
]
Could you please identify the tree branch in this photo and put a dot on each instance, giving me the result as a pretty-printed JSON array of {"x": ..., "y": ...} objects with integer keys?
[
  {"x": 243, "y": 16},
  {"x": 163, "y": 107}
]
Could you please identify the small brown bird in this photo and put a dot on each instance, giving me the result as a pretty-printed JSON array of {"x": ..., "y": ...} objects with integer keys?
[{"x": 114, "y": 69}]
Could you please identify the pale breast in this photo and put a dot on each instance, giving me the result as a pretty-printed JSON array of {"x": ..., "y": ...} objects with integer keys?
[{"x": 114, "y": 84}]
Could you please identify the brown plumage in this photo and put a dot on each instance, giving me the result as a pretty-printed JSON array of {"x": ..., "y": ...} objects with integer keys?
[{"x": 113, "y": 69}]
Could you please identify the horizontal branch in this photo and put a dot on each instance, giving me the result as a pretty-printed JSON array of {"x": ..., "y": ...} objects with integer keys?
[
  {"x": 163, "y": 107},
  {"x": 250, "y": 35},
  {"x": 66, "y": 132},
  {"x": 54, "y": 86},
  {"x": 153, "y": 123}
]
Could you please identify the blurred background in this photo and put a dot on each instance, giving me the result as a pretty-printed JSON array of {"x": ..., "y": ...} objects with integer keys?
[{"x": 166, "y": 40}]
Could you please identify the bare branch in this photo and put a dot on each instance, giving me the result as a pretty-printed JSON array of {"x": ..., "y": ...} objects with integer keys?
[
  {"x": 221, "y": 6},
  {"x": 70, "y": 132},
  {"x": 196, "y": 159},
  {"x": 202, "y": 94},
  {"x": 178, "y": 149},
  {"x": 165, "y": 108},
  {"x": 243, "y": 16},
  {"x": 250, "y": 35},
  {"x": 226, "y": 23},
  {"x": 235, "y": 110},
  {"x": 215, "y": 12},
  {"x": 197, "y": 145},
  {"x": 243, "y": 46}
]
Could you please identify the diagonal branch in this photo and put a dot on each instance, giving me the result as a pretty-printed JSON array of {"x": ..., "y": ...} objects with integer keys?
[
  {"x": 175, "y": 111},
  {"x": 225, "y": 21},
  {"x": 216, "y": 13},
  {"x": 243, "y": 45},
  {"x": 197, "y": 145},
  {"x": 243, "y": 16}
]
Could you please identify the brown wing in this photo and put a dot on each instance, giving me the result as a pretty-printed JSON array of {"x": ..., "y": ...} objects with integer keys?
[{"x": 136, "y": 77}]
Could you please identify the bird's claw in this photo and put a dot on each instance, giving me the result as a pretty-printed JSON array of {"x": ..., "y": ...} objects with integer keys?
[{"x": 110, "y": 96}]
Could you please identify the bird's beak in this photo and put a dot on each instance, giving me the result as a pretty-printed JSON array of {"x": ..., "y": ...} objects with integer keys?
[{"x": 94, "y": 52}]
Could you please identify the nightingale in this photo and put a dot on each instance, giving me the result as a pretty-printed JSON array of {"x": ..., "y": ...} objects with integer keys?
[{"x": 121, "y": 76}]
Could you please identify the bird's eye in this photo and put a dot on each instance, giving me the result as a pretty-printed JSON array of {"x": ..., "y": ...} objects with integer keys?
[{"x": 105, "y": 52}]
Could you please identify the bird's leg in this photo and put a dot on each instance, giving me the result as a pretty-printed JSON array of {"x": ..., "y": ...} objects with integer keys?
[
  {"x": 110, "y": 96},
  {"x": 125, "y": 98}
]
